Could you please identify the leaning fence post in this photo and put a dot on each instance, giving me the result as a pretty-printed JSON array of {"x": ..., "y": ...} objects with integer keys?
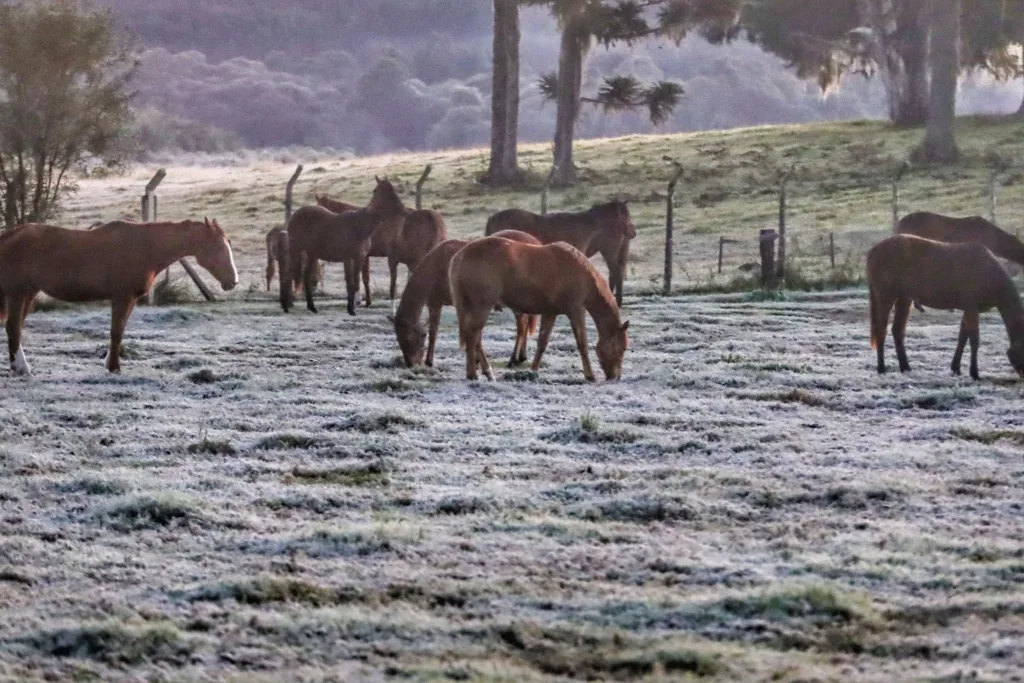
[
  {"x": 782, "y": 222},
  {"x": 149, "y": 214},
  {"x": 419, "y": 185},
  {"x": 669, "y": 224},
  {"x": 904, "y": 167},
  {"x": 544, "y": 190},
  {"x": 767, "y": 245},
  {"x": 288, "y": 194},
  {"x": 721, "y": 252},
  {"x": 832, "y": 248}
]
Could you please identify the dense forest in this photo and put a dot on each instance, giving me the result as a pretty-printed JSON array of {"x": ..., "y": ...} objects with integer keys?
[{"x": 377, "y": 75}]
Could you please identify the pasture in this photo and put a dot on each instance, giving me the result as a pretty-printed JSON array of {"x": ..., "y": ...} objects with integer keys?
[
  {"x": 262, "y": 493},
  {"x": 263, "y": 496}
]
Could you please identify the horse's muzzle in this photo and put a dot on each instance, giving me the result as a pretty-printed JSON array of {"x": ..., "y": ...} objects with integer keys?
[{"x": 228, "y": 286}]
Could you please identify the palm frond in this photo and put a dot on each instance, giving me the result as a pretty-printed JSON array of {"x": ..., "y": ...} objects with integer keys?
[
  {"x": 661, "y": 99},
  {"x": 548, "y": 86},
  {"x": 619, "y": 93}
]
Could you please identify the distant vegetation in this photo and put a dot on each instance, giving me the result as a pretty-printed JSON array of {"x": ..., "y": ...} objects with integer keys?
[{"x": 372, "y": 76}]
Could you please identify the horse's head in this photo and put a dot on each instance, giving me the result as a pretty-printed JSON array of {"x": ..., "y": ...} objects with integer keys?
[
  {"x": 1016, "y": 355},
  {"x": 385, "y": 197},
  {"x": 214, "y": 254},
  {"x": 412, "y": 340},
  {"x": 610, "y": 351},
  {"x": 623, "y": 221}
]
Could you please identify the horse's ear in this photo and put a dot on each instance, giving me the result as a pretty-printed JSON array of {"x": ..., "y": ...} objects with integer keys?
[
  {"x": 377, "y": 178},
  {"x": 207, "y": 221},
  {"x": 391, "y": 318},
  {"x": 625, "y": 326}
]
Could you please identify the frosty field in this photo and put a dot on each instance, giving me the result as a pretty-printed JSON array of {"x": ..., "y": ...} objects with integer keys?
[{"x": 262, "y": 497}]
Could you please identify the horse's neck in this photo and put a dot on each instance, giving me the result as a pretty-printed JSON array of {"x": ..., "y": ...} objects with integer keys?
[
  {"x": 1012, "y": 311},
  {"x": 413, "y": 301},
  {"x": 602, "y": 308},
  {"x": 170, "y": 242}
]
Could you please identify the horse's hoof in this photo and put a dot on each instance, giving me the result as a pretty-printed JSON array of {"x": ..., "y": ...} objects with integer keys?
[
  {"x": 974, "y": 376},
  {"x": 590, "y": 378}
]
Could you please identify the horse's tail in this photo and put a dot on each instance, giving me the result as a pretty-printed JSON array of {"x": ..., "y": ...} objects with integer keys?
[
  {"x": 3, "y": 307},
  {"x": 458, "y": 300},
  {"x": 877, "y": 332},
  {"x": 271, "y": 257},
  {"x": 284, "y": 257}
]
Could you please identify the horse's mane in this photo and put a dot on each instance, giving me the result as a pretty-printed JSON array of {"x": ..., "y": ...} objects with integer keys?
[{"x": 600, "y": 285}]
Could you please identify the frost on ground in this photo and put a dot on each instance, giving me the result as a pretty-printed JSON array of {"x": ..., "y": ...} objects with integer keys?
[{"x": 264, "y": 494}]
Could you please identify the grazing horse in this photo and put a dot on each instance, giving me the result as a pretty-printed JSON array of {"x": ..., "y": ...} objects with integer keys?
[
  {"x": 549, "y": 281},
  {"x": 117, "y": 261},
  {"x": 965, "y": 277},
  {"x": 604, "y": 228},
  {"x": 428, "y": 287}
]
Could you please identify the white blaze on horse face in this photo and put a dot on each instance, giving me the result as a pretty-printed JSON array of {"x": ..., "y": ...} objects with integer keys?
[
  {"x": 234, "y": 270},
  {"x": 20, "y": 365}
]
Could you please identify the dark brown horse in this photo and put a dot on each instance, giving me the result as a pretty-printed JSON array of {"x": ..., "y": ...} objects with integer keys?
[
  {"x": 116, "y": 261},
  {"x": 964, "y": 277},
  {"x": 604, "y": 228},
  {"x": 549, "y": 281},
  {"x": 317, "y": 234},
  {"x": 428, "y": 287}
]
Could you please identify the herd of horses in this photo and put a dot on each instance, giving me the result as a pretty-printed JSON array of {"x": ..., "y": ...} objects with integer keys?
[{"x": 538, "y": 266}]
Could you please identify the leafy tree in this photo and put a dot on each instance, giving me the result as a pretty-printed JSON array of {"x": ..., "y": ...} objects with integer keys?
[
  {"x": 620, "y": 21},
  {"x": 65, "y": 70}
]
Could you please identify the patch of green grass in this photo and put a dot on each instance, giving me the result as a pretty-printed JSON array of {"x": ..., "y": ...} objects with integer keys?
[
  {"x": 95, "y": 485},
  {"x": 638, "y": 510},
  {"x": 463, "y": 505},
  {"x": 389, "y": 385},
  {"x": 990, "y": 436},
  {"x": 795, "y": 395},
  {"x": 117, "y": 643},
  {"x": 288, "y": 441},
  {"x": 203, "y": 376},
  {"x": 945, "y": 399},
  {"x": 589, "y": 422},
  {"x": 373, "y": 474},
  {"x": 386, "y": 422},
  {"x": 173, "y": 291},
  {"x": 150, "y": 511},
  {"x": 269, "y": 589}
]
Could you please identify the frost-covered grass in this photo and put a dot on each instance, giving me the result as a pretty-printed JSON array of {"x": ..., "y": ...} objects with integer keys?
[{"x": 264, "y": 496}]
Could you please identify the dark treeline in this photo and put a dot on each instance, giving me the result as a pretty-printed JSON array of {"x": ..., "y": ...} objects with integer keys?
[{"x": 379, "y": 75}]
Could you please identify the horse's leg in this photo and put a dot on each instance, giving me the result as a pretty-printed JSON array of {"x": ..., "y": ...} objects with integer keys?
[
  {"x": 899, "y": 332},
  {"x": 352, "y": 283},
  {"x": 472, "y": 347},
  {"x": 620, "y": 265},
  {"x": 433, "y": 322},
  {"x": 393, "y": 269},
  {"x": 881, "y": 308},
  {"x": 120, "y": 310},
  {"x": 578, "y": 321},
  {"x": 309, "y": 282},
  {"x": 17, "y": 307},
  {"x": 517, "y": 348},
  {"x": 547, "y": 322},
  {"x": 481, "y": 358},
  {"x": 961, "y": 342},
  {"x": 366, "y": 279},
  {"x": 971, "y": 318}
]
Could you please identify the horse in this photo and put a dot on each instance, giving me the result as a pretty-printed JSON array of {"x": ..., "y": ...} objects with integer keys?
[
  {"x": 117, "y": 261},
  {"x": 421, "y": 231},
  {"x": 604, "y": 228},
  {"x": 548, "y": 280},
  {"x": 966, "y": 277},
  {"x": 973, "y": 229},
  {"x": 428, "y": 287}
]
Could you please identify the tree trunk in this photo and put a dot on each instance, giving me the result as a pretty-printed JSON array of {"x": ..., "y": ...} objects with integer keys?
[
  {"x": 570, "y": 85},
  {"x": 939, "y": 144},
  {"x": 1020, "y": 110},
  {"x": 899, "y": 46},
  {"x": 504, "y": 167}
]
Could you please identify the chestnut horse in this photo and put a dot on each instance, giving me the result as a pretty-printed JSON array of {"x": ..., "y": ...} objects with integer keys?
[
  {"x": 549, "y": 281},
  {"x": 604, "y": 228},
  {"x": 428, "y": 287},
  {"x": 964, "y": 277},
  {"x": 117, "y": 261}
]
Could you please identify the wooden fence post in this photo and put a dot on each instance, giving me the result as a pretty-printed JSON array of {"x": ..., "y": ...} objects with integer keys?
[
  {"x": 904, "y": 167},
  {"x": 419, "y": 185},
  {"x": 767, "y": 246},
  {"x": 544, "y": 190},
  {"x": 669, "y": 224},
  {"x": 782, "y": 222},
  {"x": 288, "y": 194},
  {"x": 149, "y": 214},
  {"x": 721, "y": 253},
  {"x": 832, "y": 248},
  {"x": 999, "y": 165}
]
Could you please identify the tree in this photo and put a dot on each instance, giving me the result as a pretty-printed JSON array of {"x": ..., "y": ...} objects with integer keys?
[
  {"x": 939, "y": 144},
  {"x": 504, "y": 166},
  {"x": 65, "y": 70},
  {"x": 608, "y": 22}
]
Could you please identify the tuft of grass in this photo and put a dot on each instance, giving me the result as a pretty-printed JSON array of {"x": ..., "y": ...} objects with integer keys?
[
  {"x": 638, "y": 510},
  {"x": 390, "y": 385},
  {"x": 943, "y": 400},
  {"x": 94, "y": 485},
  {"x": 795, "y": 395},
  {"x": 211, "y": 447},
  {"x": 386, "y": 422},
  {"x": 170, "y": 292},
  {"x": 116, "y": 643},
  {"x": 990, "y": 436},
  {"x": 202, "y": 376},
  {"x": 373, "y": 474},
  {"x": 463, "y": 505},
  {"x": 589, "y": 422},
  {"x": 816, "y": 603},
  {"x": 271, "y": 589},
  {"x": 286, "y": 441},
  {"x": 150, "y": 511}
]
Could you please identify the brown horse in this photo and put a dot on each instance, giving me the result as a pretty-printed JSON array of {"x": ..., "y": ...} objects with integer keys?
[
  {"x": 964, "y": 277},
  {"x": 549, "y": 281},
  {"x": 421, "y": 231},
  {"x": 428, "y": 287},
  {"x": 116, "y": 261},
  {"x": 604, "y": 228}
]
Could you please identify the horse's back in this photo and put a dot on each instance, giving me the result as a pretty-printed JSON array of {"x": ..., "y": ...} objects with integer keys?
[
  {"x": 511, "y": 219},
  {"x": 518, "y": 236}
]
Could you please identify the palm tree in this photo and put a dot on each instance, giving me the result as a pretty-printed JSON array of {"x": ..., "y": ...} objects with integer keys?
[
  {"x": 504, "y": 166},
  {"x": 939, "y": 144}
]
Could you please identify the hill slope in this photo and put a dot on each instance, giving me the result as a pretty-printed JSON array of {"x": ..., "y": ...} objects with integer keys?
[{"x": 841, "y": 185}]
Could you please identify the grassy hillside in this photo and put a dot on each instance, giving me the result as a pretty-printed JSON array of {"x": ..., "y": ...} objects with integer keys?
[{"x": 841, "y": 184}]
